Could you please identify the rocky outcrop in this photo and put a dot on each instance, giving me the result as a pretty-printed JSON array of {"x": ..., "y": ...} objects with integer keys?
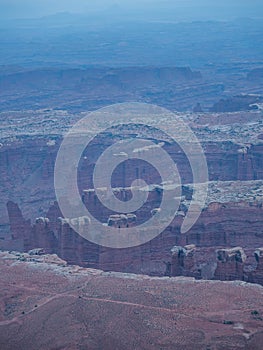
[
  {"x": 27, "y": 168},
  {"x": 229, "y": 225},
  {"x": 256, "y": 275},
  {"x": 43, "y": 236},
  {"x": 237, "y": 103},
  {"x": 30, "y": 236},
  {"x": 198, "y": 108},
  {"x": 74, "y": 248},
  {"x": 122, "y": 220},
  {"x": 191, "y": 261},
  {"x": 225, "y": 264},
  {"x": 231, "y": 217},
  {"x": 209, "y": 256},
  {"x": 20, "y": 228},
  {"x": 230, "y": 264},
  {"x": 183, "y": 262}
]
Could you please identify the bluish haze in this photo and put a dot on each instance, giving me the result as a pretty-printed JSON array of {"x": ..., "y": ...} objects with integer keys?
[{"x": 150, "y": 9}]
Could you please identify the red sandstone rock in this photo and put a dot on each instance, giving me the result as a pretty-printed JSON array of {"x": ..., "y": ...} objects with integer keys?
[
  {"x": 230, "y": 264},
  {"x": 256, "y": 276},
  {"x": 65, "y": 307},
  {"x": 221, "y": 225},
  {"x": 27, "y": 168}
]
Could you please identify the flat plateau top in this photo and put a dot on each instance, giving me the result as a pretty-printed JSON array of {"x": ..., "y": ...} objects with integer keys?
[
  {"x": 48, "y": 305},
  {"x": 241, "y": 128}
]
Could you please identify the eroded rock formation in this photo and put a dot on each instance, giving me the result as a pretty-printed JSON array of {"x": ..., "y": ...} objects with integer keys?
[
  {"x": 256, "y": 276},
  {"x": 232, "y": 216},
  {"x": 230, "y": 264},
  {"x": 238, "y": 103},
  {"x": 209, "y": 256},
  {"x": 225, "y": 264}
]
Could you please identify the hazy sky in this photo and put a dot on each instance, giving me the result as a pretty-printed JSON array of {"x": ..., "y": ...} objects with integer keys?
[{"x": 192, "y": 8}]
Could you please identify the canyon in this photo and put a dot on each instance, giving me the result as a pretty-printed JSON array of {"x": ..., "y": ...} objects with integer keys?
[
  {"x": 231, "y": 219},
  {"x": 124, "y": 225}
]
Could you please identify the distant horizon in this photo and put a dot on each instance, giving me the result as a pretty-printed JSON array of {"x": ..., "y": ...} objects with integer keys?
[{"x": 144, "y": 9}]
